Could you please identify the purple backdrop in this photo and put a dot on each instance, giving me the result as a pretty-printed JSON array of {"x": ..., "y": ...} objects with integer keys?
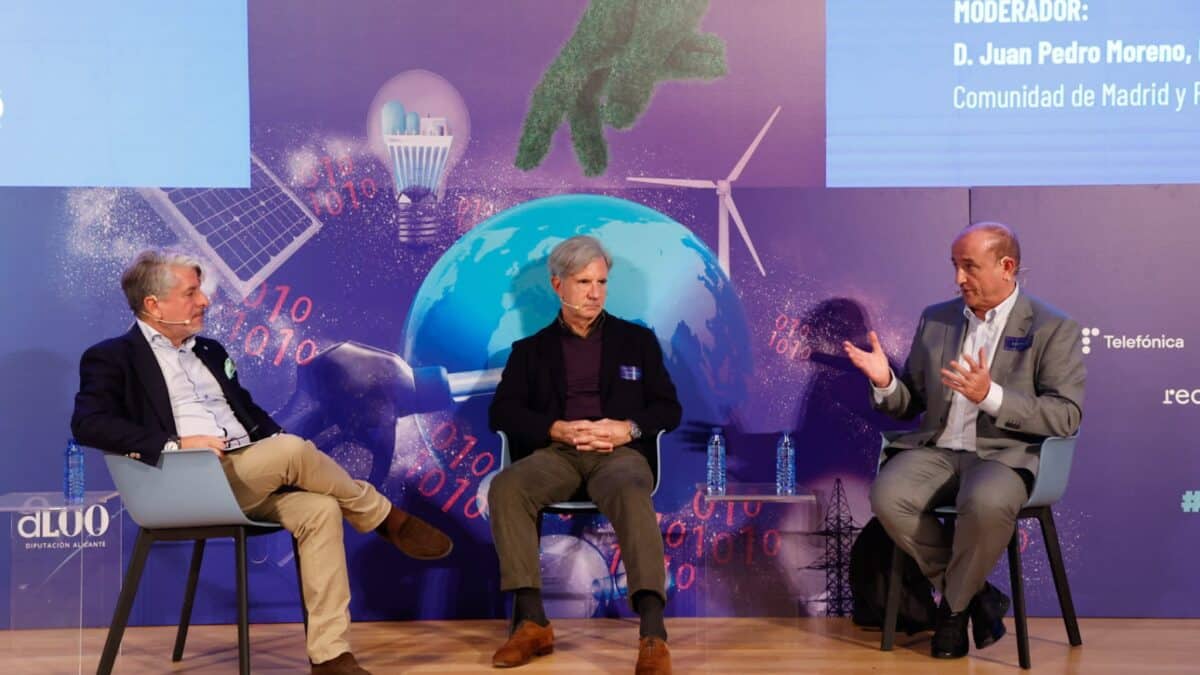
[{"x": 838, "y": 262}]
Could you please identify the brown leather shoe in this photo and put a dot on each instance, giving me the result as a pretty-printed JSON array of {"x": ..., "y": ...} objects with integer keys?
[
  {"x": 342, "y": 664},
  {"x": 527, "y": 641},
  {"x": 654, "y": 658},
  {"x": 414, "y": 537}
]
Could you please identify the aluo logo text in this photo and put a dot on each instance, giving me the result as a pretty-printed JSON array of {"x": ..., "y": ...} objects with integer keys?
[{"x": 55, "y": 524}]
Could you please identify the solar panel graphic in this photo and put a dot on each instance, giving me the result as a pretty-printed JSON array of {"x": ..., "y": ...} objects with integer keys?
[{"x": 246, "y": 233}]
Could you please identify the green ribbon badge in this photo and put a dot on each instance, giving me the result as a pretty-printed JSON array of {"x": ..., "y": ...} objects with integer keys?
[{"x": 230, "y": 369}]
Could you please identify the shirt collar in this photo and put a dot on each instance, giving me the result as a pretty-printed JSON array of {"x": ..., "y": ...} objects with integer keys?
[
  {"x": 160, "y": 341},
  {"x": 998, "y": 314}
]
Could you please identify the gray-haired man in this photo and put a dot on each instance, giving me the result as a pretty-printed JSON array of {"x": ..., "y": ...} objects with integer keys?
[
  {"x": 160, "y": 387},
  {"x": 582, "y": 402}
]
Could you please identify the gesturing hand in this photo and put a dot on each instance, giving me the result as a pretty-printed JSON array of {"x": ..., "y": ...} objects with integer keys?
[
  {"x": 607, "y": 71},
  {"x": 874, "y": 364},
  {"x": 971, "y": 379}
]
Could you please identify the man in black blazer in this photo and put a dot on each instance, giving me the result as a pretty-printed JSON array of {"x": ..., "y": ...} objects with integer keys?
[
  {"x": 161, "y": 388},
  {"x": 582, "y": 402}
]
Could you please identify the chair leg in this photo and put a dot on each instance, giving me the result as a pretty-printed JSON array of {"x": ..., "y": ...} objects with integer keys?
[
  {"x": 1059, "y": 571},
  {"x": 243, "y": 603},
  {"x": 300, "y": 583},
  {"x": 1018, "y": 597},
  {"x": 133, "y": 576},
  {"x": 892, "y": 609},
  {"x": 189, "y": 598}
]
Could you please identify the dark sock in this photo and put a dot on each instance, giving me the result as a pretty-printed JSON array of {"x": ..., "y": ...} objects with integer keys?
[
  {"x": 527, "y": 606},
  {"x": 649, "y": 606}
]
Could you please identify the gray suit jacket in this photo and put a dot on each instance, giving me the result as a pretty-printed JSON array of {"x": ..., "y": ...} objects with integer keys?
[{"x": 1039, "y": 362}]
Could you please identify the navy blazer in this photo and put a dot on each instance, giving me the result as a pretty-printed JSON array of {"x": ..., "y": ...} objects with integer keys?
[
  {"x": 123, "y": 405},
  {"x": 532, "y": 393}
]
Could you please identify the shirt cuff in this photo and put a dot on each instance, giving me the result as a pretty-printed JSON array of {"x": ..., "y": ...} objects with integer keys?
[
  {"x": 880, "y": 394},
  {"x": 991, "y": 403}
]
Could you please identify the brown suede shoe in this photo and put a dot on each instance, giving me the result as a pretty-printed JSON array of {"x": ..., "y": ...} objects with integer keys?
[
  {"x": 414, "y": 537},
  {"x": 527, "y": 641},
  {"x": 342, "y": 664},
  {"x": 654, "y": 658}
]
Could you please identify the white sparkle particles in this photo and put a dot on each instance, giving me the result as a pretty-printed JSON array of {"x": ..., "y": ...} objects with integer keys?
[
  {"x": 106, "y": 228},
  {"x": 1035, "y": 563}
]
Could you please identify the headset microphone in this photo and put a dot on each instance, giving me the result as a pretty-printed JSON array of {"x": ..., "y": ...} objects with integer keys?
[{"x": 168, "y": 322}]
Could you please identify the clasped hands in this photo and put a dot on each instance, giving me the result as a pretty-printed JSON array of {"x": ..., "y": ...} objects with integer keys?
[{"x": 587, "y": 436}]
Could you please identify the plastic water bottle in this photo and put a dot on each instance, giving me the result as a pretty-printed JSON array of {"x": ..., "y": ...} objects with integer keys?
[
  {"x": 73, "y": 473},
  {"x": 785, "y": 466},
  {"x": 715, "y": 482}
]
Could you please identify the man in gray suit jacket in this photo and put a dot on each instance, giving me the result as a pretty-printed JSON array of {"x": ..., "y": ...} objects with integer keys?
[{"x": 991, "y": 374}]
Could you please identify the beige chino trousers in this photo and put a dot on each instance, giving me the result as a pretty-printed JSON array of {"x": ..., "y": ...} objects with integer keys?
[{"x": 313, "y": 514}]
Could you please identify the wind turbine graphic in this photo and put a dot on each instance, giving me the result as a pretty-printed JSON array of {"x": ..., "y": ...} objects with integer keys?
[{"x": 725, "y": 205}]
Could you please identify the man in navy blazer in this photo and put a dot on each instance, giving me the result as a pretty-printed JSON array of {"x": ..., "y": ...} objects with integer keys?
[
  {"x": 582, "y": 402},
  {"x": 162, "y": 388}
]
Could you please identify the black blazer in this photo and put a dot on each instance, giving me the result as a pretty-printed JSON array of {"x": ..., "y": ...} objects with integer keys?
[
  {"x": 123, "y": 405},
  {"x": 533, "y": 388}
]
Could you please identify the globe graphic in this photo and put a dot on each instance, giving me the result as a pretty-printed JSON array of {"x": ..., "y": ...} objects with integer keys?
[
  {"x": 578, "y": 573},
  {"x": 492, "y": 287}
]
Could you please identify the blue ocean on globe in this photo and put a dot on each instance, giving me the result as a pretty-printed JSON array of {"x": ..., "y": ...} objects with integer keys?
[{"x": 492, "y": 287}]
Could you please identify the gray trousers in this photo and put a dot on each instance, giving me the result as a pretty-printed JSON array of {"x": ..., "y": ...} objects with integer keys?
[
  {"x": 987, "y": 494},
  {"x": 618, "y": 482}
]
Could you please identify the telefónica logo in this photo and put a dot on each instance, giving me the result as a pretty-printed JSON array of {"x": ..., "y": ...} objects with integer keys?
[{"x": 1092, "y": 339}]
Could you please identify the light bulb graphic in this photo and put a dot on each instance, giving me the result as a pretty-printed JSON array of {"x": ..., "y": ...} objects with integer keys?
[
  {"x": 419, "y": 148},
  {"x": 418, "y": 126}
]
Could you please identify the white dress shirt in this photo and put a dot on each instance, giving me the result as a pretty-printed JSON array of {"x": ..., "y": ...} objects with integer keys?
[
  {"x": 197, "y": 401},
  {"x": 983, "y": 334}
]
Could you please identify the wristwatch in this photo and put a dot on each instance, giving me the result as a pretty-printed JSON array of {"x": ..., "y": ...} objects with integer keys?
[
  {"x": 635, "y": 432},
  {"x": 172, "y": 444}
]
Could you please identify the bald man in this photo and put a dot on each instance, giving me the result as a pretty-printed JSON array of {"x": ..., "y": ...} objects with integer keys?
[{"x": 991, "y": 374}]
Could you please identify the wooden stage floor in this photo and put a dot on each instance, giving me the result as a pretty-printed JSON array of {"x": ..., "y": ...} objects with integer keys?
[{"x": 743, "y": 645}]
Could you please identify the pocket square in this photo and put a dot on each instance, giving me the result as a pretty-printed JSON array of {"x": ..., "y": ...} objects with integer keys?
[
  {"x": 1018, "y": 344},
  {"x": 632, "y": 373}
]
